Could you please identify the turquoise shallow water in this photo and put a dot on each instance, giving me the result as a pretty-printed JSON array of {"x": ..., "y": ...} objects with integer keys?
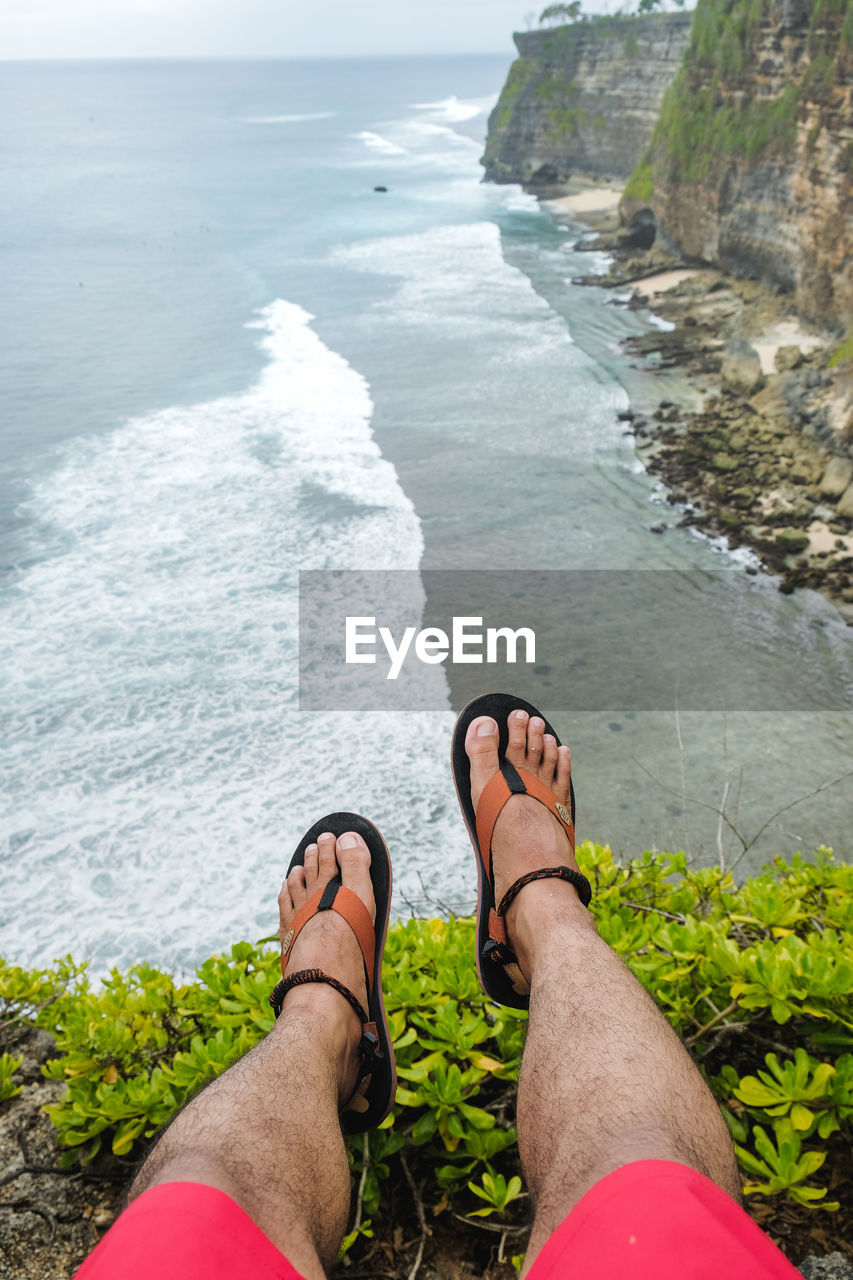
[{"x": 227, "y": 358}]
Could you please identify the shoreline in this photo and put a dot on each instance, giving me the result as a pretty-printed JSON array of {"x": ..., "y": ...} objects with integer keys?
[{"x": 754, "y": 462}]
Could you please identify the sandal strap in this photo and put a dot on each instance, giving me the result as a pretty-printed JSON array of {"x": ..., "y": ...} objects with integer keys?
[
  {"x": 502, "y": 953},
  {"x": 337, "y": 897},
  {"x": 497, "y": 948},
  {"x": 573, "y": 877},
  {"x": 369, "y": 1051},
  {"x": 303, "y": 976},
  {"x": 500, "y": 788}
]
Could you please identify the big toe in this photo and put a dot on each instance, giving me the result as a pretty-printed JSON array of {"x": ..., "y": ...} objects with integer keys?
[
  {"x": 481, "y": 746},
  {"x": 353, "y": 858}
]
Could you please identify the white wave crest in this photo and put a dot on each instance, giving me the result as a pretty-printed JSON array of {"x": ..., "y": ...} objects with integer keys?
[
  {"x": 376, "y": 142},
  {"x": 456, "y": 293},
  {"x": 455, "y": 280},
  {"x": 451, "y": 109},
  {"x": 429, "y": 130},
  {"x": 519, "y": 201}
]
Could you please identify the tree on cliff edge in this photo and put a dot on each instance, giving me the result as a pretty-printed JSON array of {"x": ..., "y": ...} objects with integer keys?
[{"x": 554, "y": 14}]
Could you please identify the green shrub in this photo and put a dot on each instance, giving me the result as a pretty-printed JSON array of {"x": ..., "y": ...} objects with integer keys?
[
  {"x": 561, "y": 121},
  {"x": 8, "y": 1067},
  {"x": 641, "y": 185},
  {"x": 843, "y": 353},
  {"x": 711, "y": 114},
  {"x": 518, "y": 77},
  {"x": 699, "y": 131},
  {"x": 556, "y": 88},
  {"x": 730, "y": 966}
]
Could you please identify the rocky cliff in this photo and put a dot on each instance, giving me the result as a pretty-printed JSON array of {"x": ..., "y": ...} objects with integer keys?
[
  {"x": 583, "y": 97},
  {"x": 751, "y": 164}
]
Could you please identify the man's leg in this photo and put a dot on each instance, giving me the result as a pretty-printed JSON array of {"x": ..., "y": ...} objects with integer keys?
[
  {"x": 267, "y": 1131},
  {"x": 604, "y": 1079}
]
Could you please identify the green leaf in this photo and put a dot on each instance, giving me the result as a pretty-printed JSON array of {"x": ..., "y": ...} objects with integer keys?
[
  {"x": 424, "y": 1128},
  {"x": 801, "y": 1117}
]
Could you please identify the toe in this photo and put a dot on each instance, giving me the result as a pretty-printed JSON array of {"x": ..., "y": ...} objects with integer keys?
[
  {"x": 311, "y": 865},
  {"x": 562, "y": 783},
  {"x": 296, "y": 886},
  {"x": 327, "y": 866},
  {"x": 354, "y": 860},
  {"x": 516, "y": 750},
  {"x": 535, "y": 742},
  {"x": 481, "y": 745},
  {"x": 548, "y": 764},
  {"x": 285, "y": 906}
]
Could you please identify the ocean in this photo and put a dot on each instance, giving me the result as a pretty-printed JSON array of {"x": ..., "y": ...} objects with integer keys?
[{"x": 227, "y": 358}]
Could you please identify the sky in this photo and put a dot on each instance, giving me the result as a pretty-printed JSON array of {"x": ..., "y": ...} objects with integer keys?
[{"x": 261, "y": 28}]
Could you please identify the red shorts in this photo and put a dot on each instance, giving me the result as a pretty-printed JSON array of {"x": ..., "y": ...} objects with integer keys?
[{"x": 651, "y": 1218}]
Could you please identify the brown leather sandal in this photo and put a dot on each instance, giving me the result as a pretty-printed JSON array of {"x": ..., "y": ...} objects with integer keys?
[
  {"x": 373, "y": 1096},
  {"x": 497, "y": 965}
]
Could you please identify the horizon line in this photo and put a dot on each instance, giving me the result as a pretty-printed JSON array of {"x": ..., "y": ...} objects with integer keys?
[{"x": 251, "y": 57}]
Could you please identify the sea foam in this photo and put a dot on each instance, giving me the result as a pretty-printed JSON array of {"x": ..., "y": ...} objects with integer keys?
[
  {"x": 158, "y": 771},
  {"x": 451, "y": 109},
  {"x": 376, "y": 142}
]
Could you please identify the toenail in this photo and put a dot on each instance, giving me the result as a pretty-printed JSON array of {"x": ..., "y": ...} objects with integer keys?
[
  {"x": 536, "y": 723},
  {"x": 327, "y": 835},
  {"x": 521, "y": 715},
  {"x": 485, "y": 728},
  {"x": 348, "y": 841}
]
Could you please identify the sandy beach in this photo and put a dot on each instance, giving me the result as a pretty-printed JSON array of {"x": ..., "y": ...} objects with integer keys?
[
  {"x": 788, "y": 333},
  {"x": 661, "y": 282},
  {"x": 600, "y": 199}
]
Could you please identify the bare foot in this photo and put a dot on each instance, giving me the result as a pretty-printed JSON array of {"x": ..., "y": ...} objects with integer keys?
[
  {"x": 526, "y": 836},
  {"x": 327, "y": 942}
]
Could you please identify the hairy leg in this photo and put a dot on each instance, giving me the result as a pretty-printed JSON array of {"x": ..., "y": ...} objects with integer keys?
[
  {"x": 604, "y": 1079},
  {"x": 267, "y": 1131}
]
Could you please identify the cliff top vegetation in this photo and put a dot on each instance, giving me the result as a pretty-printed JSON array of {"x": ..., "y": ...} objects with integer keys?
[
  {"x": 756, "y": 978},
  {"x": 554, "y": 15},
  {"x": 709, "y": 116}
]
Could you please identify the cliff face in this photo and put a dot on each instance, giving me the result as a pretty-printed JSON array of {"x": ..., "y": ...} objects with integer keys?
[
  {"x": 751, "y": 164},
  {"x": 583, "y": 97}
]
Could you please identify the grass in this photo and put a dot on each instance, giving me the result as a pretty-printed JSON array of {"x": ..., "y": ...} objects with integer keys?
[
  {"x": 641, "y": 184},
  {"x": 843, "y": 353}
]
